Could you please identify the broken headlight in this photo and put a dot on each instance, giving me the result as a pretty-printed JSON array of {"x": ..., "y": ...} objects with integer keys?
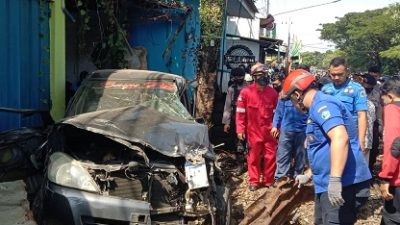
[{"x": 66, "y": 171}]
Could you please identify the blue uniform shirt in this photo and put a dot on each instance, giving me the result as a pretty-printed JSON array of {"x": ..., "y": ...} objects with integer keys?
[
  {"x": 352, "y": 94},
  {"x": 326, "y": 112},
  {"x": 288, "y": 119}
]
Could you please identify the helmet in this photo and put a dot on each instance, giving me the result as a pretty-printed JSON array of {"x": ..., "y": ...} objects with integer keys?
[
  {"x": 257, "y": 68},
  {"x": 296, "y": 80}
]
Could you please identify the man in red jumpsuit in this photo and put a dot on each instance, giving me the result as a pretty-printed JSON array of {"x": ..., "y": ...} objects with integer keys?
[{"x": 255, "y": 107}]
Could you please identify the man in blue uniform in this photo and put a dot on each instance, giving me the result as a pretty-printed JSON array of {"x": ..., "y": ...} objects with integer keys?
[
  {"x": 290, "y": 125},
  {"x": 337, "y": 166},
  {"x": 351, "y": 93}
]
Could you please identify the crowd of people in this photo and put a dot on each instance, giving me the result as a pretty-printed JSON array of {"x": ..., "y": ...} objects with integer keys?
[{"x": 325, "y": 129}]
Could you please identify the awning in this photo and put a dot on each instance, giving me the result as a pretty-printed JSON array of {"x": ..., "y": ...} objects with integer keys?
[
  {"x": 264, "y": 42},
  {"x": 241, "y": 8}
]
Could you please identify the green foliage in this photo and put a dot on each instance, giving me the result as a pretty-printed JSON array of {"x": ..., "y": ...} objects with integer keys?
[
  {"x": 312, "y": 59},
  {"x": 321, "y": 60},
  {"x": 211, "y": 20},
  {"x": 103, "y": 26},
  {"x": 211, "y": 25},
  {"x": 367, "y": 38}
]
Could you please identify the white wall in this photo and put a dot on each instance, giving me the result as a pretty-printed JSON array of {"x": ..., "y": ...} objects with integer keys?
[{"x": 243, "y": 27}]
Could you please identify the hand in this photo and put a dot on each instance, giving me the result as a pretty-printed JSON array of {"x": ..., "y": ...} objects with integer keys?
[
  {"x": 227, "y": 127},
  {"x": 335, "y": 191},
  {"x": 241, "y": 136},
  {"x": 362, "y": 145},
  {"x": 384, "y": 186},
  {"x": 302, "y": 179},
  {"x": 274, "y": 132}
]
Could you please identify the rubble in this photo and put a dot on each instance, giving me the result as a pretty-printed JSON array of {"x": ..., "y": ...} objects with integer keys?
[{"x": 302, "y": 214}]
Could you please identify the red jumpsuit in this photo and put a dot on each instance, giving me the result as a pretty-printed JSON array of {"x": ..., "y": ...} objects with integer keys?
[{"x": 254, "y": 113}]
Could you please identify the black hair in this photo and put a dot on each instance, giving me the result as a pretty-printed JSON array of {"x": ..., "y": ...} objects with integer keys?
[
  {"x": 369, "y": 79},
  {"x": 374, "y": 69},
  {"x": 338, "y": 61},
  {"x": 392, "y": 85},
  {"x": 237, "y": 72},
  {"x": 304, "y": 67}
]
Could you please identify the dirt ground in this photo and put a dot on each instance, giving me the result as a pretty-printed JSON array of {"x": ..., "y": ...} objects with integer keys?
[{"x": 370, "y": 214}]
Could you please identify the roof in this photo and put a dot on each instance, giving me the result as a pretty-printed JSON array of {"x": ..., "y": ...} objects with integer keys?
[
  {"x": 242, "y": 8},
  {"x": 264, "y": 42}
]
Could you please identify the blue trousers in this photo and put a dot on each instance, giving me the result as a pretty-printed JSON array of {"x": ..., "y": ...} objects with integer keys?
[{"x": 290, "y": 157}]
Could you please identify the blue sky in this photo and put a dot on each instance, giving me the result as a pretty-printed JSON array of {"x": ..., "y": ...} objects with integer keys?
[{"x": 305, "y": 22}]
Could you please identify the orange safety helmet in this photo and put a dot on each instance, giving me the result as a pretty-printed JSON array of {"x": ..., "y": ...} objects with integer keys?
[
  {"x": 258, "y": 68},
  {"x": 296, "y": 80}
]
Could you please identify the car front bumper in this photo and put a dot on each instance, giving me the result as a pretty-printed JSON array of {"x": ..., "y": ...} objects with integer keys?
[{"x": 72, "y": 206}]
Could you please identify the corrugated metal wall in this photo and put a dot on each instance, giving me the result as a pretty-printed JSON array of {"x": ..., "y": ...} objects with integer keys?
[
  {"x": 24, "y": 60},
  {"x": 156, "y": 35}
]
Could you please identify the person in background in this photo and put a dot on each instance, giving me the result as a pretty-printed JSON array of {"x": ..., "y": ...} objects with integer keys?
[
  {"x": 390, "y": 173},
  {"x": 228, "y": 118},
  {"x": 368, "y": 82},
  {"x": 352, "y": 94},
  {"x": 254, "y": 112},
  {"x": 375, "y": 97},
  {"x": 337, "y": 166},
  {"x": 276, "y": 81},
  {"x": 289, "y": 126}
]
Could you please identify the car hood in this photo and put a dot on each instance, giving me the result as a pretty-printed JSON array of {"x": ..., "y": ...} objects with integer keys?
[{"x": 169, "y": 135}]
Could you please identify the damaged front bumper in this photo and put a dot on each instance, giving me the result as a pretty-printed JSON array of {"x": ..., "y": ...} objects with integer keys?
[{"x": 73, "y": 206}]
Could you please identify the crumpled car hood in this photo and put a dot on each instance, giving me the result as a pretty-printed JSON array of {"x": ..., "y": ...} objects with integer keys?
[{"x": 169, "y": 135}]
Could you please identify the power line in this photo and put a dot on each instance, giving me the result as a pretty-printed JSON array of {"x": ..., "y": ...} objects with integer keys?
[{"x": 307, "y": 7}]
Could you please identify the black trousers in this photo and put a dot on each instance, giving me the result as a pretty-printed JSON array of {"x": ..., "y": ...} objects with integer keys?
[
  {"x": 355, "y": 196},
  {"x": 374, "y": 152},
  {"x": 391, "y": 209}
]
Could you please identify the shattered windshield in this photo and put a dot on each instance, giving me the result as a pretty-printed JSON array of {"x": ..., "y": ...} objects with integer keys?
[{"x": 159, "y": 95}]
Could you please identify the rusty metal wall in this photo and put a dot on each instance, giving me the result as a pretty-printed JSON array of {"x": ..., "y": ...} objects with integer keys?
[{"x": 24, "y": 60}]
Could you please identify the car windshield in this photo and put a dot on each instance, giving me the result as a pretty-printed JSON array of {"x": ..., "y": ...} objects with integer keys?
[{"x": 159, "y": 95}]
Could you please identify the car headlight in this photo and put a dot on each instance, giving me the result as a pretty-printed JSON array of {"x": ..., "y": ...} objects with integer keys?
[{"x": 66, "y": 171}]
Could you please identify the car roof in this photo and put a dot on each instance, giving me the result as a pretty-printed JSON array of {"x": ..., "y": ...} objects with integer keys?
[
  {"x": 131, "y": 74},
  {"x": 128, "y": 74}
]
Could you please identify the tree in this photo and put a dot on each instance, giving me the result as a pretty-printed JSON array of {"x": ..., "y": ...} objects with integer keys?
[
  {"x": 211, "y": 17},
  {"x": 367, "y": 38}
]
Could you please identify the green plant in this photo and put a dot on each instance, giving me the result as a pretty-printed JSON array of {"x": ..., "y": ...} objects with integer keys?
[{"x": 99, "y": 24}]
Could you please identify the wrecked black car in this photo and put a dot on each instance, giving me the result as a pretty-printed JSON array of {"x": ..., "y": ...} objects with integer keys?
[{"x": 129, "y": 152}]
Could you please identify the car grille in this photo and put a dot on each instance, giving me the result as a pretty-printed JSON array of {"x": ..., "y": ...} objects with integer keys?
[{"x": 125, "y": 188}]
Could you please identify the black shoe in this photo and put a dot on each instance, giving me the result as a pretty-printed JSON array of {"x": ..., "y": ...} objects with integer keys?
[{"x": 253, "y": 187}]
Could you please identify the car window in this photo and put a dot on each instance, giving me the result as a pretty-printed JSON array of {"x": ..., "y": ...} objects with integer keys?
[{"x": 100, "y": 95}]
